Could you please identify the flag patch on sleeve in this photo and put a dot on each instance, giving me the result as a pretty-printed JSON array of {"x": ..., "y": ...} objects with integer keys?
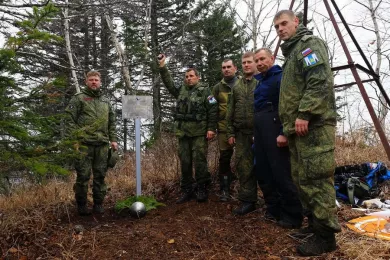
[
  {"x": 311, "y": 60},
  {"x": 211, "y": 99},
  {"x": 306, "y": 52}
]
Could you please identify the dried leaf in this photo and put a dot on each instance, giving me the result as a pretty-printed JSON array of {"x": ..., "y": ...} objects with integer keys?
[
  {"x": 171, "y": 241},
  {"x": 78, "y": 237},
  {"x": 13, "y": 250}
]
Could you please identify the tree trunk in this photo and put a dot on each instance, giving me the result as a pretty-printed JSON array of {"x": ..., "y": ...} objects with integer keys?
[
  {"x": 105, "y": 50},
  {"x": 86, "y": 43},
  {"x": 383, "y": 110},
  {"x": 68, "y": 47},
  {"x": 155, "y": 72},
  {"x": 123, "y": 61},
  {"x": 94, "y": 44}
]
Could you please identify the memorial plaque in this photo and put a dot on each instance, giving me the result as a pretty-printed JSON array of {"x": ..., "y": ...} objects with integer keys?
[{"x": 137, "y": 107}]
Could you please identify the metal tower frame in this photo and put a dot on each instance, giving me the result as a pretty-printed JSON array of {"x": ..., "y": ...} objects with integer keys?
[{"x": 353, "y": 67}]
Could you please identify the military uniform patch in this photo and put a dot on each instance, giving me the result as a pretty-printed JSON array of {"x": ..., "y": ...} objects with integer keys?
[
  {"x": 306, "y": 52},
  {"x": 211, "y": 99},
  {"x": 310, "y": 60}
]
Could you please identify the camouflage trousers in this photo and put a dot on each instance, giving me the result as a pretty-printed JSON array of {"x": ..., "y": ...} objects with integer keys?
[
  {"x": 225, "y": 156},
  {"x": 312, "y": 166},
  {"x": 245, "y": 168},
  {"x": 93, "y": 160},
  {"x": 193, "y": 151}
]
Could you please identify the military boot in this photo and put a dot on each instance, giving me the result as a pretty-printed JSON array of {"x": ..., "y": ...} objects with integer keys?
[
  {"x": 244, "y": 208},
  {"x": 83, "y": 210},
  {"x": 318, "y": 244},
  {"x": 187, "y": 195},
  {"x": 289, "y": 224},
  {"x": 203, "y": 193},
  {"x": 98, "y": 208},
  {"x": 225, "y": 189},
  {"x": 305, "y": 231}
]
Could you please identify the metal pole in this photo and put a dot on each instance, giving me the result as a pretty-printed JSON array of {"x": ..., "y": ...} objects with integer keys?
[
  {"x": 138, "y": 154},
  {"x": 373, "y": 73},
  {"x": 305, "y": 4},
  {"x": 355, "y": 74},
  {"x": 279, "y": 40}
]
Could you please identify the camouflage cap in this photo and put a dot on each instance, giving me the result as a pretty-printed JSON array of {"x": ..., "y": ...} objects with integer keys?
[{"x": 113, "y": 157}]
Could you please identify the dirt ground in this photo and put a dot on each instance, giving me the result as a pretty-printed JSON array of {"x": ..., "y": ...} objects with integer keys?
[{"x": 187, "y": 231}]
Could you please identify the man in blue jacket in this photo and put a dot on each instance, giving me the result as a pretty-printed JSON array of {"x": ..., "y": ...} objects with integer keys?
[{"x": 271, "y": 146}]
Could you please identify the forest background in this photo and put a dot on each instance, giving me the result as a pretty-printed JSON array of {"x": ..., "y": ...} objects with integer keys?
[
  {"x": 46, "y": 49},
  {"x": 48, "y": 46}
]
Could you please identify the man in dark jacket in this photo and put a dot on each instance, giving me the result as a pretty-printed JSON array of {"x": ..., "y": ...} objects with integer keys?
[
  {"x": 196, "y": 122},
  {"x": 90, "y": 122},
  {"x": 307, "y": 109},
  {"x": 240, "y": 133},
  {"x": 221, "y": 92},
  {"x": 271, "y": 146}
]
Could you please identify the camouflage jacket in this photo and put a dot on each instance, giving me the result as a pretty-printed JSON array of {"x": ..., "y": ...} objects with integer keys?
[
  {"x": 221, "y": 92},
  {"x": 240, "y": 107},
  {"x": 306, "y": 90},
  {"x": 196, "y": 108},
  {"x": 90, "y": 118}
]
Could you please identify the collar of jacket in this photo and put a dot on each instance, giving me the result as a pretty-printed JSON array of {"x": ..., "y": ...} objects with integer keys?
[
  {"x": 92, "y": 92},
  {"x": 288, "y": 45},
  {"x": 198, "y": 85},
  {"x": 274, "y": 70},
  {"x": 245, "y": 79},
  {"x": 227, "y": 82}
]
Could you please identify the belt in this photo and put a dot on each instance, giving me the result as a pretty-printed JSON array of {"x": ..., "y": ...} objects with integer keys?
[{"x": 269, "y": 107}]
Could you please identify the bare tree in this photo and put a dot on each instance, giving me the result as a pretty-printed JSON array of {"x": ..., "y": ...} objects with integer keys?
[
  {"x": 68, "y": 47},
  {"x": 122, "y": 56},
  {"x": 258, "y": 18},
  {"x": 378, "y": 12}
]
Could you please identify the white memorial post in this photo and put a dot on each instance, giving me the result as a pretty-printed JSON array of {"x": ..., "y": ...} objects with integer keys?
[{"x": 137, "y": 107}]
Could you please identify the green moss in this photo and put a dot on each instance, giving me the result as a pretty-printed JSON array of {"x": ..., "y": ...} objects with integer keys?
[{"x": 149, "y": 202}]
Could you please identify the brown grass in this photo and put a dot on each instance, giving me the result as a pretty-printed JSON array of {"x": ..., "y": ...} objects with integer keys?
[{"x": 26, "y": 211}]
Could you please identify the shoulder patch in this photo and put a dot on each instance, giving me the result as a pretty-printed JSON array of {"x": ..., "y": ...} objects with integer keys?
[
  {"x": 306, "y": 52},
  {"x": 211, "y": 99},
  {"x": 310, "y": 60}
]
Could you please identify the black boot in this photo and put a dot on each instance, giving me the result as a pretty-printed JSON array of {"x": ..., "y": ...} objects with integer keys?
[
  {"x": 225, "y": 188},
  {"x": 203, "y": 194},
  {"x": 83, "y": 210},
  {"x": 318, "y": 244},
  {"x": 244, "y": 208},
  {"x": 271, "y": 217},
  {"x": 187, "y": 195},
  {"x": 290, "y": 221},
  {"x": 98, "y": 208},
  {"x": 305, "y": 232}
]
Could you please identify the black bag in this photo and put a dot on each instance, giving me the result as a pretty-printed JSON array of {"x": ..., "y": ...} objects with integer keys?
[{"x": 356, "y": 183}]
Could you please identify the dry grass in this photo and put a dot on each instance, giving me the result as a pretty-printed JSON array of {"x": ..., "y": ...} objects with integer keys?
[
  {"x": 27, "y": 210},
  {"x": 346, "y": 153}
]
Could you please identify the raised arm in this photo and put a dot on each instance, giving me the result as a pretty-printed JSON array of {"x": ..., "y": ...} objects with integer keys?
[{"x": 166, "y": 77}]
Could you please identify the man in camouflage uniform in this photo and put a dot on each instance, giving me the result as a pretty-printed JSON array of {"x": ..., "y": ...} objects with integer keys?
[
  {"x": 221, "y": 92},
  {"x": 308, "y": 113},
  {"x": 240, "y": 133},
  {"x": 90, "y": 121},
  {"x": 195, "y": 123}
]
